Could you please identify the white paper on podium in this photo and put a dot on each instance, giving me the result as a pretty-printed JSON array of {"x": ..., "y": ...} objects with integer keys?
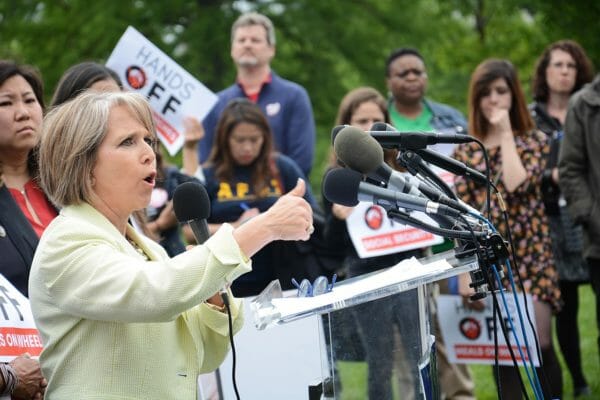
[{"x": 403, "y": 271}]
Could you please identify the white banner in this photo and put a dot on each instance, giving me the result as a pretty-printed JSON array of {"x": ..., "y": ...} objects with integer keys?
[
  {"x": 18, "y": 333},
  {"x": 469, "y": 334},
  {"x": 172, "y": 92},
  {"x": 374, "y": 234}
]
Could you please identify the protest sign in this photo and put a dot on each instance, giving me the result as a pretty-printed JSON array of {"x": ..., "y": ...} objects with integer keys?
[
  {"x": 374, "y": 234},
  {"x": 18, "y": 333},
  {"x": 469, "y": 334},
  {"x": 172, "y": 92}
]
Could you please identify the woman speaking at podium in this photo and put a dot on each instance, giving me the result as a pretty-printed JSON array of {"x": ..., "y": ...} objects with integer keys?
[{"x": 118, "y": 317}]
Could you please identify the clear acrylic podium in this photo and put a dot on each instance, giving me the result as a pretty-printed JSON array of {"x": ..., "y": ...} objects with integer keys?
[{"x": 376, "y": 341}]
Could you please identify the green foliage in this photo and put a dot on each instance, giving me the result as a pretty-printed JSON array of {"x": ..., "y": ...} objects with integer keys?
[{"x": 329, "y": 47}]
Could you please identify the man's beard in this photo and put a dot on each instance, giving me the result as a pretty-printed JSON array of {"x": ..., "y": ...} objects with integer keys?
[{"x": 247, "y": 61}]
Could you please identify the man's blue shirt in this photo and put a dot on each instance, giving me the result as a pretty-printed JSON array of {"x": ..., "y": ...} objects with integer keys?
[{"x": 287, "y": 107}]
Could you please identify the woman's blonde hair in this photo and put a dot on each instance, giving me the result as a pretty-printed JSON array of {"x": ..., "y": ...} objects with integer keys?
[{"x": 71, "y": 136}]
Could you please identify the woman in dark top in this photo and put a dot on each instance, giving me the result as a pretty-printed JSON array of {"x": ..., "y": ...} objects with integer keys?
[
  {"x": 25, "y": 211},
  {"x": 562, "y": 69},
  {"x": 361, "y": 108},
  {"x": 245, "y": 177}
]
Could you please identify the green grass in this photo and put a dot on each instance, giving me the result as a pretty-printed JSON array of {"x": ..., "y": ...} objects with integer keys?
[
  {"x": 484, "y": 383},
  {"x": 353, "y": 374}
]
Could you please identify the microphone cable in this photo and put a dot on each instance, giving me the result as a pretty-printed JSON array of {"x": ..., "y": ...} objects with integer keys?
[
  {"x": 522, "y": 287},
  {"x": 225, "y": 297},
  {"x": 496, "y": 308},
  {"x": 489, "y": 186},
  {"x": 502, "y": 205},
  {"x": 519, "y": 280},
  {"x": 535, "y": 384},
  {"x": 489, "y": 183},
  {"x": 497, "y": 311}
]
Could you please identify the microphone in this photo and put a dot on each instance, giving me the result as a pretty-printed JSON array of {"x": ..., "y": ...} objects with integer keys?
[
  {"x": 192, "y": 205},
  {"x": 452, "y": 165},
  {"x": 383, "y": 126},
  {"x": 345, "y": 186},
  {"x": 438, "y": 159},
  {"x": 389, "y": 137},
  {"x": 362, "y": 153},
  {"x": 335, "y": 131},
  {"x": 357, "y": 150},
  {"x": 354, "y": 145}
]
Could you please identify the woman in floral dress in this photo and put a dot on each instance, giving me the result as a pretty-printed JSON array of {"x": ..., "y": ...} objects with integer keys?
[{"x": 498, "y": 117}]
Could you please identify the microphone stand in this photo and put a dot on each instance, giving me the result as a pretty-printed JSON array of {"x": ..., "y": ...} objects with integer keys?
[
  {"x": 405, "y": 218},
  {"x": 492, "y": 253},
  {"x": 491, "y": 250},
  {"x": 415, "y": 164}
]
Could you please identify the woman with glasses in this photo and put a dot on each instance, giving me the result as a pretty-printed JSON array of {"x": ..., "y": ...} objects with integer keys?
[
  {"x": 562, "y": 69},
  {"x": 244, "y": 178}
]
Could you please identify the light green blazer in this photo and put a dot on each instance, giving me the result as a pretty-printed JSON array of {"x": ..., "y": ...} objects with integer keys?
[{"x": 116, "y": 326}]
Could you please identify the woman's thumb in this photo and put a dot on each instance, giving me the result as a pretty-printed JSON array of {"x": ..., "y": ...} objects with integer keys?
[{"x": 299, "y": 189}]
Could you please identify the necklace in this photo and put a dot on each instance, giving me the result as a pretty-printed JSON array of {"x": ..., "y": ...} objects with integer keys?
[{"x": 138, "y": 249}]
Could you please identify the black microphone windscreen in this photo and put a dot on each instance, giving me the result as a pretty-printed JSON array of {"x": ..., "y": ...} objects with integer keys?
[
  {"x": 335, "y": 131},
  {"x": 340, "y": 185},
  {"x": 191, "y": 202},
  {"x": 358, "y": 150},
  {"x": 380, "y": 126}
]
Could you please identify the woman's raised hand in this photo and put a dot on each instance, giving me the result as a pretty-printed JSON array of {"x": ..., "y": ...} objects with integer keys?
[
  {"x": 290, "y": 218},
  {"x": 500, "y": 121}
]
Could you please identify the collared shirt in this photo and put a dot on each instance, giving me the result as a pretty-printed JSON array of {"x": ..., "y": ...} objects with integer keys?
[
  {"x": 289, "y": 112},
  {"x": 253, "y": 97}
]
